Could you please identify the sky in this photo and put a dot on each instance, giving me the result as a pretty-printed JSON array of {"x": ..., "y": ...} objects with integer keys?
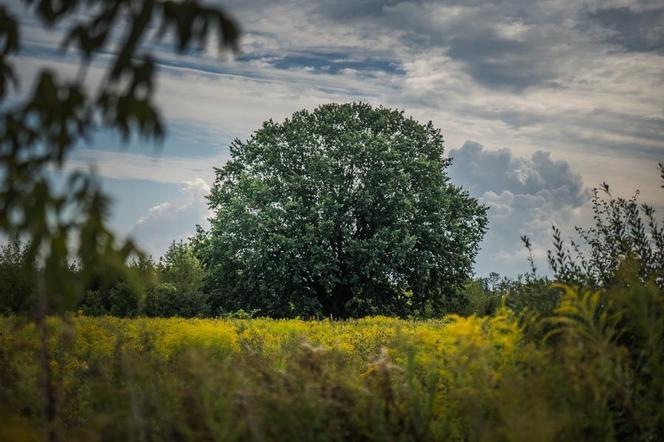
[{"x": 538, "y": 101}]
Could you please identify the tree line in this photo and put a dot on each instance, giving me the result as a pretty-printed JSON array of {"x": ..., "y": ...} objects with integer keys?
[
  {"x": 343, "y": 211},
  {"x": 187, "y": 282},
  {"x": 172, "y": 286}
]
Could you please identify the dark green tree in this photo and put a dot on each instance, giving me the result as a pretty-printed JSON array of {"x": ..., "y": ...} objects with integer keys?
[
  {"x": 180, "y": 266},
  {"x": 17, "y": 278},
  {"x": 343, "y": 211},
  {"x": 179, "y": 291}
]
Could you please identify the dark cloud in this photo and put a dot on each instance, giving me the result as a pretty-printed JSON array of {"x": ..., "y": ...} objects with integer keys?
[
  {"x": 330, "y": 62},
  {"x": 524, "y": 196},
  {"x": 512, "y": 45},
  {"x": 640, "y": 31},
  {"x": 501, "y": 46},
  {"x": 480, "y": 170},
  {"x": 350, "y": 10},
  {"x": 497, "y": 62}
]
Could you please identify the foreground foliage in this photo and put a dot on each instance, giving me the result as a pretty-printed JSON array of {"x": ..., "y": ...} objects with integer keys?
[
  {"x": 41, "y": 126},
  {"x": 621, "y": 227},
  {"x": 593, "y": 371}
]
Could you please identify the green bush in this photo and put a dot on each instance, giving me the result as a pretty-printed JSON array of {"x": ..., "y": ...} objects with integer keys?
[
  {"x": 118, "y": 300},
  {"x": 172, "y": 288},
  {"x": 178, "y": 290},
  {"x": 483, "y": 296},
  {"x": 622, "y": 228},
  {"x": 167, "y": 300},
  {"x": 180, "y": 266},
  {"x": 479, "y": 299}
]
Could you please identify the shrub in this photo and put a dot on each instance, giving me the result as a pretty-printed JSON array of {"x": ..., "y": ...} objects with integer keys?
[
  {"x": 181, "y": 267},
  {"x": 167, "y": 300},
  {"x": 118, "y": 299},
  {"x": 622, "y": 227},
  {"x": 524, "y": 292}
]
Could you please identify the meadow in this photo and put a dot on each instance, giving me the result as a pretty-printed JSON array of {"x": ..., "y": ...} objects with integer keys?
[
  {"x": 346, "y": 211},
  {"x": 499, "y": 377}
]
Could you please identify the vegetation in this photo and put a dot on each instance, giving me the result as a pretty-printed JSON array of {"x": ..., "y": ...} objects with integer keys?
[
  {"x": 343, "y": 211},
  {"x": 592, "y": 371},
  {"x": 179, "y": 284},
  {"x": 173, "y": 287},
  {"x": 483, "y": 296},
  {"x": 622, "y": 227},
  {"x": 16, "y": 278},
  {"x": 39, "y": 128},
  {"x": 179, "y": 292}
]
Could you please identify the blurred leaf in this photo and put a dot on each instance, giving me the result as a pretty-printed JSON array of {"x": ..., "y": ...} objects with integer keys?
[{"x": 67, "y": 232}]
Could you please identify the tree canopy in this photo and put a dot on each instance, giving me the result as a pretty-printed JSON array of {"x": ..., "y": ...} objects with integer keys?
[{"x": 343, "y": 211}]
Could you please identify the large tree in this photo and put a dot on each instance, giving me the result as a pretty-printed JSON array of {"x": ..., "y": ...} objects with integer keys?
[{"x": 343, "y": 211}]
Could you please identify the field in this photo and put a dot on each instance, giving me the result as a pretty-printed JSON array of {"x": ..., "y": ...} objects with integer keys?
[{"x": 457, "y": 378}]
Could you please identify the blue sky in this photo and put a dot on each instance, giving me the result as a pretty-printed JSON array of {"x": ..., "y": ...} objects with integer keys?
[{"x": 538, "y": 101}]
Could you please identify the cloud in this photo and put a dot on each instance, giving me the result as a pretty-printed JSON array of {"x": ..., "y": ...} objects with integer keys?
[
  {"x": 560, "y": 82},
  {"x": 635, "y": 29},
  {"x": 480, "y": 170},
  {"x": 525, "y": 196},
  {"x": 173, "y": 220},
  {"x": 499, "y": 44},
  {"x": 526, "y": 74},
  {"x": 133, "y": 166}
]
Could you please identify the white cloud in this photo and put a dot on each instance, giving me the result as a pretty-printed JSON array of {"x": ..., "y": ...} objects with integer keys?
[
  {"x": 525, "y": 196},
  {"x": 173, "y": 220}
]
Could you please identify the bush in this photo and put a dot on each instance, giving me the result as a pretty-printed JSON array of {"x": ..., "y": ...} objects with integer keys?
[
  {"x": 483, "y": 296},
  {"x": 622, "y": 227},
  {"x": 180, "y": 266},
  {"x": 167, "y": 300},
  {"x": 117, "y": 300},
  {"x": 480, "y": 300},
  {"x": 178, "y": 290}
]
